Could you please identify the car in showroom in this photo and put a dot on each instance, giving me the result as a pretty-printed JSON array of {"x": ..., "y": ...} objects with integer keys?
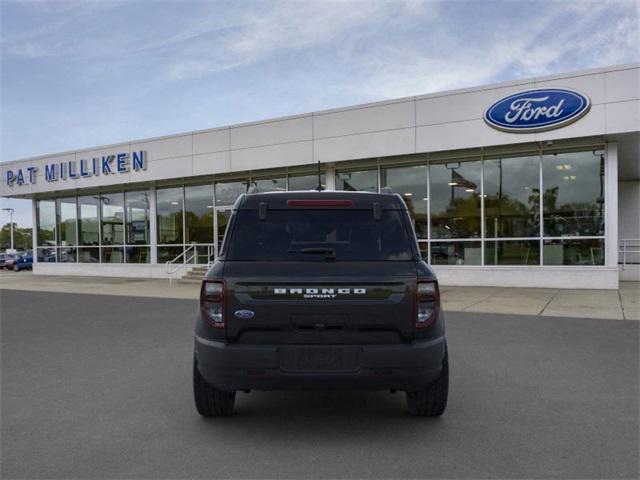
[{"x": 320, "y": 290}]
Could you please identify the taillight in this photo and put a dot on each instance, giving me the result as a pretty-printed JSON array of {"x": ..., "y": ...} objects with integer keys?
[
  {"x": 212, "y": 303},
  {"x": 427, "y": 302},
  {"x": 320, "y": 203}
]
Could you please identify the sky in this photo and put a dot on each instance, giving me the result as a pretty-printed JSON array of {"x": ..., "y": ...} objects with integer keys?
[{"x": 87, "y": 73}]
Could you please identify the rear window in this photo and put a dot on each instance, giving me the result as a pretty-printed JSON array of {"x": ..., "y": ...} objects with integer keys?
[{"x": 319, "y": 235}]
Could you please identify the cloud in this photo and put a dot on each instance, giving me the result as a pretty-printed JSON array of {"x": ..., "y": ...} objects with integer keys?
[
  {"x": 286, "y": 26},
  {"x": 525, "y": 48},
  {"x": 52, "y": 28}
]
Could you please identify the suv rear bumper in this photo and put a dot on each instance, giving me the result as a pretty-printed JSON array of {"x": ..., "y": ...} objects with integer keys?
[{"x": 231, "y": 367}]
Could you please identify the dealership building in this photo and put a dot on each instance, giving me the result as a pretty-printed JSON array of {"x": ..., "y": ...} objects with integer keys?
[{"x": 529, "y": 183}]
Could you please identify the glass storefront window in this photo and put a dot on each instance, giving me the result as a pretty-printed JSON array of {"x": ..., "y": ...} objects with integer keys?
[
  {"x": 47, "y": 254},
  {"x": 228, "y": 192},
  {"x": 411, "y": 184},
  {"x": 166, "y": 254},
  {"x": 46, "y": 217},
  {"x": 512, "y": 252},
  {"x": 115, "y": 227},
  {"x": 88, "y": 227},
  {"x": 89, "y": 255},
  {"x": 204, "y": 254},
  {"x": 198, "y": 213},
  {"x": 455, "y": 199},
  {"x": 363, "y": 180},
  {"x": 112, "y": 218},
  {"x": 278, "y": 184},
  {"x": 573, "y": 198},
  {"x": 137, "y": 218},
  {"x": 67, "y": 221},
  {"x": 512, "y": 197},
  {"x": 137, "y": 254},
  {"x": 67, "y": 255},
  {"x": 224, "y": 215},
  {"x": 456, "y": 253},
  {"x": 306, "y": 182},
  {"x": 169, "y": 208},
  {"x": 112, "y": 255},
  {"x": 574, "y": 252}
]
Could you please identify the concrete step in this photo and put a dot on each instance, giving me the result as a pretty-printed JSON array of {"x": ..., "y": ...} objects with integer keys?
[
  {"x": 194, "y": 273},
  {"x": 189, "y": 281},
  {"x": 199, "y": 270}
]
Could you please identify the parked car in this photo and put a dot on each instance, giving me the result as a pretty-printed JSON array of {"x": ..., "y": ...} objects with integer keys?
[
  {"x": 319, "y": 290},
  {"x": 8, "y": 260},
  {"x": 23, "y": 262}
]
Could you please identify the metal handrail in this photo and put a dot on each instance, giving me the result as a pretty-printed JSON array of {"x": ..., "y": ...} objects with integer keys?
[
  {"x": 185, "y": 261},
  {"x": 210, "y": 252},
  {"x": 628, "y": 245}
]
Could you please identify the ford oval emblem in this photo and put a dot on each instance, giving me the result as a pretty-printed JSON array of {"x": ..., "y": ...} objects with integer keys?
[
  {"x": 244, "y": 314},
  {"x": 537, "y": 110}
]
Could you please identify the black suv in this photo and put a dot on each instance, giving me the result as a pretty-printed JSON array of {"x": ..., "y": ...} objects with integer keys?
[{"x": 320, "y": 290}]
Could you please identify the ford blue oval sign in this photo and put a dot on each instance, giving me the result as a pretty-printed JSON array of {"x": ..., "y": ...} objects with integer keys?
[
  {"x": 537, "y": 110},
  {"x": 244, "y": 314}
]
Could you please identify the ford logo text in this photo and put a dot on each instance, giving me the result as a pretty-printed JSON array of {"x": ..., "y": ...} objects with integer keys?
[
  {"x": 244, "y": 314},
  {"x": 537, "y": 110}
]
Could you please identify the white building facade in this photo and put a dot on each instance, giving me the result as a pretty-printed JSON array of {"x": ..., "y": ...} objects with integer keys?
[{"x": 531, "y": 183}]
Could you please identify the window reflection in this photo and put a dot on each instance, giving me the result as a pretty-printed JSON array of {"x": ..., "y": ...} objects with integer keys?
[
  {"x": 168, "y": 253},
  {"x": 137, "y": 218},
  {"x": 455, "y": 200},
  {"x": 112, "y": 218},
  {"x": 512, "y": 197},
  {"x": 573, "y": 198},
  {"x": 456, "y": 253},
  {"x": 112, "y": 255},
  {"x": 574, "y": 252},
  {"x": 306, "y": 182},
  {"x": 89, "y": 255},
  {"x": 46, "y": 218},
  {"x": 411, "y": 184},
  {"x": 363, "y": 180},
  {"x": 228, "y": 192},
  {"x": 67, "y": 213},
  {"x": 88, "y": 220},
  {"x": 137, "y": 254},
  {"x": 169, "y": 207},
  {"x": 47, "y": 255},
  {"x": 572, "y": 194},
  {"x": 513, "y": 252},
  {"x": 198, "y": 213},
  {"x": 278, "y": 184},
  {"x": 67, "y": 255}
]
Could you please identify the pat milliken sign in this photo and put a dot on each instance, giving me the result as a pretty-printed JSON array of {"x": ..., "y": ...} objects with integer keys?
[
  {"x": 537, "y": 110},
  {"x": 115, "y": 164}
]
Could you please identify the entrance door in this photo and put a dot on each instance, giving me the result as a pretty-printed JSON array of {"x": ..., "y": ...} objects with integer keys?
[{"x": 221, "y": 220}]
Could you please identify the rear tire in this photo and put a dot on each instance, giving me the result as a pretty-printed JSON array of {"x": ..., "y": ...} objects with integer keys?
[
  {"x": 211, "y": 402},
  {"x": 432, "y": 401}
]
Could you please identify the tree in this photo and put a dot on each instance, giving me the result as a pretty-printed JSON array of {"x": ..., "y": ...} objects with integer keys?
[{"x": 21, "y": 237}]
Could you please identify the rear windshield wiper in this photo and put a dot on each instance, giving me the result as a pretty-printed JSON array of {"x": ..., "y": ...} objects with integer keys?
[{"x": 330, "y": 253}]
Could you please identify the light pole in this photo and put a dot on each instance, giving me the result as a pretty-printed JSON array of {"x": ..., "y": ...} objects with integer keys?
[{"x": 11, "y": 212}]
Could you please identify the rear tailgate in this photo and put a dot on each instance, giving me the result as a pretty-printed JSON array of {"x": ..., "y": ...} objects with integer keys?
[{"x": 320, "y": 302}]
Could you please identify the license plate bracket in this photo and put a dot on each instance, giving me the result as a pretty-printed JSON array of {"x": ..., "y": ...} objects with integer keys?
[{"x": 318, "y": 358}]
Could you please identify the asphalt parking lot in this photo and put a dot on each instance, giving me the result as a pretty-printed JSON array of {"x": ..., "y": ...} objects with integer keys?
[{"x": 98, "y": 386}]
